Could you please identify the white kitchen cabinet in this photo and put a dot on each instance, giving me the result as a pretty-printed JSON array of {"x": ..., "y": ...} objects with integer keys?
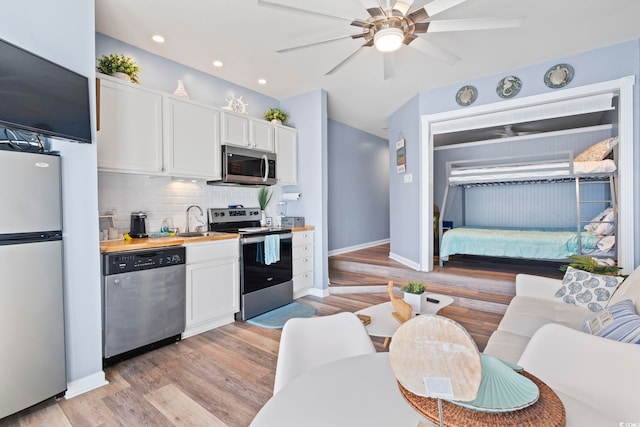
[
  {"x": 213, "y": 285},
  {"x": 192, "y": 142},
  {"x": 244, "y": 131},
  {"x": 235, "y": 129},
  {"x": 302, "y": 263},
  {"x": 130, "y": 135},
  {"x": 286, "y": 163},
  {"x": 261, "y": 135}
]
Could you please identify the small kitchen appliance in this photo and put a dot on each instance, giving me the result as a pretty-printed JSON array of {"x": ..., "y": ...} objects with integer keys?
[
  {"x": 138, "y": 225},
  {"x": 292, "y": 221},
  {"x": 247, "y": 166}
]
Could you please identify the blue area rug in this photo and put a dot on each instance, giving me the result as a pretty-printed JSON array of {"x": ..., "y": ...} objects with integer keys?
[{"x": 275, "y": 319}]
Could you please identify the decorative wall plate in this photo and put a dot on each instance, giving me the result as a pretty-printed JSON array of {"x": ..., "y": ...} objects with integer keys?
[
  {"x": 236, "y": 105},
  {"x": 509, "y": 87},
  {"x": 466, "y": 95},
  {"x": 558, "y": 76}
]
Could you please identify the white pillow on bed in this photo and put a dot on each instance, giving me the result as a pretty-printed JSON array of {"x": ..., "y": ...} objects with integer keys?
[
  {"x": 588, "y": 290},
  {"x": 602, "y": 224}
]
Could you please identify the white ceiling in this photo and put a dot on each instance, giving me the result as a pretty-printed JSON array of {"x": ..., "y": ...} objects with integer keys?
[{"x": 245, "y": 36}]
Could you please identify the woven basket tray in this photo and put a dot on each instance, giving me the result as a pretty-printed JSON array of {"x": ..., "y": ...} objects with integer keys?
[{"x": 548, "y": 411}]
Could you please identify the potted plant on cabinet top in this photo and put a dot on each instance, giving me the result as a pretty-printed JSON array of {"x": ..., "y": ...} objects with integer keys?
[
  {"x": 264, "y": 197},
  {"x": 414, "y": 294},
  {"x": 118, "y": 65},
  {"x": 275, "y": 115}
]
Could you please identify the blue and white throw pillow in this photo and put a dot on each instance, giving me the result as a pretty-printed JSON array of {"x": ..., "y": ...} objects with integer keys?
[
  {"x": 586, "y": 289},
  {"x": 618, "y": 322}
]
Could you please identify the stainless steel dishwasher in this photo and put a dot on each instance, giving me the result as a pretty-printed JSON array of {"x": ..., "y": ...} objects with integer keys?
[{"x": 143, "y": 300}]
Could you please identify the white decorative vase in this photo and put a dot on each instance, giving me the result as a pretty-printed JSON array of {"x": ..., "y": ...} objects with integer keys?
[
  {"x": 263, "y": 219},
  {"x": 276, "y": 121},
  {"x": 122, "y": 76},
  {"x": 417, "y": 302},
  {"x": 180, "y": 91}
]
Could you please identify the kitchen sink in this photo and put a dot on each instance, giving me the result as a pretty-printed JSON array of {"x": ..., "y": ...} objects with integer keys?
[{"x": 197, "y": 234}]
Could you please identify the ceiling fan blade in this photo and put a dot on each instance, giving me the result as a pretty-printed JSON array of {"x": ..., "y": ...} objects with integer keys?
[
  {"x": 373, "y": 8},
  {"x": 302, "y": 46},
  {"x": 435, "y": 51},
  {"x": 389, "y": 64},
  {"x": 473, "y": 24},
  {"x": 400, "y": 8},
  {"x": 275, "y": 5},
  {"x": 436, "y": 6},
  {"x": 421, "y": 27},
  {"x": 347, "y": 59},
  {"x": 360, "y": 23}
]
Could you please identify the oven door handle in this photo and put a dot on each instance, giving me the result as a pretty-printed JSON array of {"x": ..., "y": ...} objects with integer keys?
[{"x": 258, "y": 239}]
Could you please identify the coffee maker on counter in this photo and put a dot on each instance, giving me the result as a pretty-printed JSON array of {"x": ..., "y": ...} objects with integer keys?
[{"x": 138, "y": 225}]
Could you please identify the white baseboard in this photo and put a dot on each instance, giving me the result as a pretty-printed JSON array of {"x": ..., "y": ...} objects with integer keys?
[
  {"x": 208, "y": 325},
  {"x": 405, "y": 261},
  {"x": 375, "y": 289},
  {"x": 83, "y": 385},
  {"x": 319, "y": 292},
  {"x": 357, "y": 247}
]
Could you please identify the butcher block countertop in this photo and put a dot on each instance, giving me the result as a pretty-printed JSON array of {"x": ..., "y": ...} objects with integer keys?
[{"x": 157, "y": 242}]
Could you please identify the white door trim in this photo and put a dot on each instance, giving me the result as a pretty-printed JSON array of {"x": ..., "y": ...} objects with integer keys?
[{"x": 622, "y": 86}]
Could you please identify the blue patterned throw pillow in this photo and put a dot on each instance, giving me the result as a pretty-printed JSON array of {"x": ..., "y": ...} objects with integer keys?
[
  {"x": 586, "y": 289},
  {"x": 618, "y": 322}
]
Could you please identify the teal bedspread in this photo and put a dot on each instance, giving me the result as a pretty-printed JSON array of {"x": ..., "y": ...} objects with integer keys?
[{"x": 514, "y": 243}]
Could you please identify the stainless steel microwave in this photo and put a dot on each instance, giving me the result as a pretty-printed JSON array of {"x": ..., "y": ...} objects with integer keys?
[{"x": 246, "y": 166}]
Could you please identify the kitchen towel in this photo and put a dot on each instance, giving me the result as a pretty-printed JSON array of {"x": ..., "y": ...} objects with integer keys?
[{"x": 271, "y": 249}]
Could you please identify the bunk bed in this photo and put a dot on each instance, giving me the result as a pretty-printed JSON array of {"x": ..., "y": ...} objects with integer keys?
[{"x": 595, "y": 237}]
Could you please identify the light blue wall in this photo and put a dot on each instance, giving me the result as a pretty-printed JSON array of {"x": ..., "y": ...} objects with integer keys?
[
  {"x": 63, "y": 32},
  {"x": 404, "y": 200},
  {"x": 598, "y": 65},
  {"x": 309, "y": 116},
  {"x": 163, "y": 74},
  {"x": 358, "y": 177}
]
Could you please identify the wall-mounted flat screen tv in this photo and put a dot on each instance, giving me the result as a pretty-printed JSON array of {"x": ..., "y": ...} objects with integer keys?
[{"x": 39, "y": 96}]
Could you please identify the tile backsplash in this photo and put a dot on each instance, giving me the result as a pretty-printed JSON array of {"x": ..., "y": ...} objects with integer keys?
[{"x": 164, "y": 197}]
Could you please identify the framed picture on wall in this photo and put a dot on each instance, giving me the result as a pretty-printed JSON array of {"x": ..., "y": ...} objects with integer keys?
[{"x": 401, "y": 158}]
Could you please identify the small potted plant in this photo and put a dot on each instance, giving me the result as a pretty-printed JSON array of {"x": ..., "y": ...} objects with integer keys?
[
  {"x": 118, "y": 65},
  {"x": 593, "y": 265},
  {"x": 414, "y": 294},
  {"x": 275, "y": 115},
  {"x": 264, "y": 197}
]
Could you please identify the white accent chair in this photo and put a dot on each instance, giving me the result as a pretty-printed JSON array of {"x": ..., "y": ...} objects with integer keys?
[{"x": 308, "y": 343}]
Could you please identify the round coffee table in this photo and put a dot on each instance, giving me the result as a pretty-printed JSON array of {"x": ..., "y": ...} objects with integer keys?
[{"x": 383, "y": 324}]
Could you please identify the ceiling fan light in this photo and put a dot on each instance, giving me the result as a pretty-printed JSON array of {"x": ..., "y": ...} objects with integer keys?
[{"x": 388, "y": 39}]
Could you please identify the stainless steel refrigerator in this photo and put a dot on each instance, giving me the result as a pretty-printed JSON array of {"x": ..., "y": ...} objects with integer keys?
[{"x": 32, "y": 350}]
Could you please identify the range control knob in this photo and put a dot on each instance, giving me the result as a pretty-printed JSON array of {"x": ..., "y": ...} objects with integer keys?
[
  {"x": 221, "y": 213},
  {"x": 175, "y": 259}
]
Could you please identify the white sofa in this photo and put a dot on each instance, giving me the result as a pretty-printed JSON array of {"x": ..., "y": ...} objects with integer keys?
[{"x": 597, "y": 379}]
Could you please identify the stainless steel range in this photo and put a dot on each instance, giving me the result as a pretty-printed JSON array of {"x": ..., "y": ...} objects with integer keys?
[{"x": 265, "y": 260}]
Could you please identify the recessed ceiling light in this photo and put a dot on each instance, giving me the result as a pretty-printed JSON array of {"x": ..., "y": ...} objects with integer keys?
[
  {"x": 158, "y": 38},
  {"x": 262, "y": 81},
  {"x": 217, "y": 64}
]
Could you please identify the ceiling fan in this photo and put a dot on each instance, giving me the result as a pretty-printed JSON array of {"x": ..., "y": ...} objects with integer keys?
[
  {"x": 508, "y": 132},
  {"x": 388, "y": 28}
]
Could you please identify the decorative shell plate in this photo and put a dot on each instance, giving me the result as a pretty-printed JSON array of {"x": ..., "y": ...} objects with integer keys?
[
  {"x": 558, "y": 76},
  {"x": 501, "y": 389},
  {"x": 509, "y": 87},
  {"x": 466, "y": 95}
]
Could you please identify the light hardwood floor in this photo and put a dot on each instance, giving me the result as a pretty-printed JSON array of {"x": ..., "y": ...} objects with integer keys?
[{"x": 218, "y": 378}]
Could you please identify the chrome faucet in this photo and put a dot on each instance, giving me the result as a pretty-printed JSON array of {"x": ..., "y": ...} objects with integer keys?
[{"x": 188, "y": 229}]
